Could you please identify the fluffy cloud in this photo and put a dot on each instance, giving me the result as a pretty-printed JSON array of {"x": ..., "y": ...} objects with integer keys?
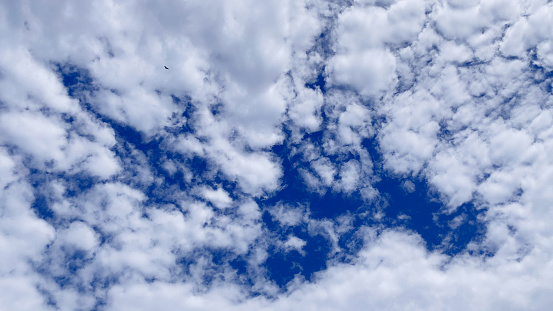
[{"x": 363, "y": 60}]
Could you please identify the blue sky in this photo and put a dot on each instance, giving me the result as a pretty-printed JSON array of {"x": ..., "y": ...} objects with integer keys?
[{"x": 296, "y": 155}]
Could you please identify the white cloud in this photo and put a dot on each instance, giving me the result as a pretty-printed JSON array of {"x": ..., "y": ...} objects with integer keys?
[
  {"x": 408, "y": 186},
  {"x": 528, "y": 32},
  {"x": 31, "y": 84},
  {"x": 362, "y": 61},
  {"x": 369, "y": 72},
  {"x": 325, "y": 170},
  {"x": 349, "y": 176},
  {"x": 294, "y": 243},
  {"x": 219, "y": 197},
  {"x": 288, "y": 215},
  {"x": 35, "y": 134},
  {"x": 254, "y": 171},
  {"x": 395, "y": 272},
  {"x": 23, "y": 237},
  {"x": 304, "y": 110},
  {"x": 20, "y": 293},
  {"x": 80, "y": 236},
  {"x": 453, "y": 179},
  {"x": 409, "y": 140},
  {"x": 137, "y": 108}
]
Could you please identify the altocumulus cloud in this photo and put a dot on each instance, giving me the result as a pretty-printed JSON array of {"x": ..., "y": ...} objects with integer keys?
[{"x": 297, "y": 155}]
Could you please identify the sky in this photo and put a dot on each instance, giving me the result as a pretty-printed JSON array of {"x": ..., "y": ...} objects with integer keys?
[{"x": 295, "y": 155}]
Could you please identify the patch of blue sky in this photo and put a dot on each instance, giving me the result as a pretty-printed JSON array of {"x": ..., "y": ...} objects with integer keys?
[{"x": 412, "y": 207}]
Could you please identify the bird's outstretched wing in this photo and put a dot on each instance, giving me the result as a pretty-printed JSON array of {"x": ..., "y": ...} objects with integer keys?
[{"x": 166, "y": 67}]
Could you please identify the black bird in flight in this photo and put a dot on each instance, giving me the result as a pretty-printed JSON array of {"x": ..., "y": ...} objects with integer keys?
[{"x": 166, "y": 67}]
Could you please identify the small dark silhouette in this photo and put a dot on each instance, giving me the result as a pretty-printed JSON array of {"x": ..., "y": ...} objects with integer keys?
[{"x": 166, "y": 67}]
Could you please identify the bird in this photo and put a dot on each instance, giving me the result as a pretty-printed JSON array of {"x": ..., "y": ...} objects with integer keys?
[{"x": 166, "y": 67}]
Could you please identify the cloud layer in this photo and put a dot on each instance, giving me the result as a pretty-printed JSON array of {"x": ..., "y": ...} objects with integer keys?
[{"x": 313, "y": 155}]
